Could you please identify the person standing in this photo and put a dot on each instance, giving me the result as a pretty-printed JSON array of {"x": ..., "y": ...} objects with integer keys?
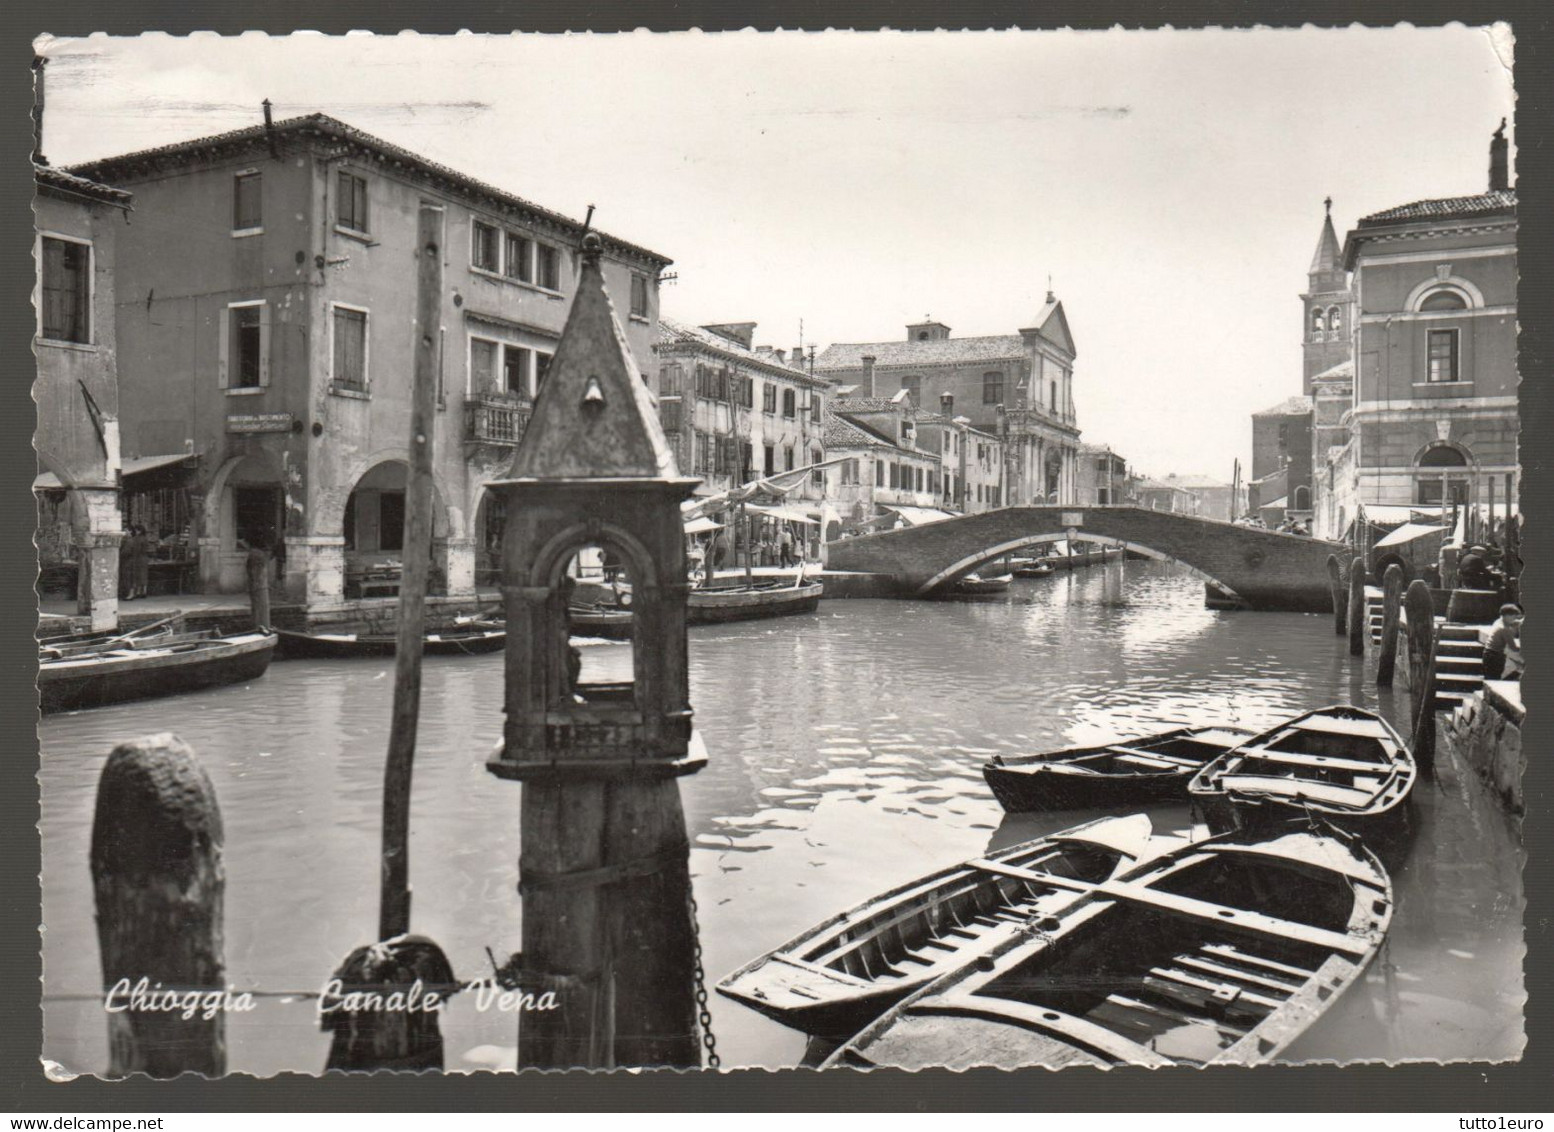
[
  {"x": 1503, "y": 650},
  {"x": 138, "y": 552},
  {"x": 785, "y": 544}
]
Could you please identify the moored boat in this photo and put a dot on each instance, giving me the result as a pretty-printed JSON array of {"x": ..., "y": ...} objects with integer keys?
[
  {"x": 841, "y": 973},
  {"x": 1147, "y": 769},
  {"x": 120, "y": 670},
  {"x": 466, "y": 638},
  {"x": 1341, "y": 763},
  {"x": 719, "y": 602},
  {"x": 975, "y": 585},
  {"x": 1218, "y": 952},
  {"x": 1032, "y": 568}
]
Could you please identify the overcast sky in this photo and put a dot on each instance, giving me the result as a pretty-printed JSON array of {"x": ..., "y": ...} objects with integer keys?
[{"x": 1170, "y": 183}]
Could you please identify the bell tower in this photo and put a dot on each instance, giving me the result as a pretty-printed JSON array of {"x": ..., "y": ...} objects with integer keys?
[{"x": 1327, "y": 307}]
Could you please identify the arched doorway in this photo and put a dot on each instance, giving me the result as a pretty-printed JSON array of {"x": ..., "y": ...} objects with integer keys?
[
  {"x": 1442, "y": 473},
  {"x": 245, "y": 509},
  {"x": 375, "y": 527}
]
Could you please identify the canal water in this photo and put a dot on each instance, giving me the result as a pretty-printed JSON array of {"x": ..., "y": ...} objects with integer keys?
[{"x": 845, "y": 749}]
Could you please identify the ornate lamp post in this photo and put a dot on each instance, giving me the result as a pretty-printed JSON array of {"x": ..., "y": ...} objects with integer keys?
[{"x": 603, "y": 873}]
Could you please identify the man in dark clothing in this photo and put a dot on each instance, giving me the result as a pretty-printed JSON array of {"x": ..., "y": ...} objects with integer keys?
[
  {"x": 1503, "y": 650},
  {"x": 1473, "y": 572}
]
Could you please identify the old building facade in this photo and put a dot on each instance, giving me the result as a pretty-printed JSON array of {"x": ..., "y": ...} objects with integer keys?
[
  {"x": 77, "y": 441},
  {"x": 1103, "y": 475},
  {"x": 1017, "y": 387},
  {"x": 275, "y": 348},
  {"x": 971, "y": 460},
  {"x": 878, "y": 465},
  {"x": 735, "y": 412},
  {"x": 1433, "y": 409}
]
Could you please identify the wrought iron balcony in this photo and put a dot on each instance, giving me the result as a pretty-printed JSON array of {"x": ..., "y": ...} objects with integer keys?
[{"x": 495, "y": 418}]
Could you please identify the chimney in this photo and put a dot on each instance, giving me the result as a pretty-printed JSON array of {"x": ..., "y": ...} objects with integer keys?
[
  {"x": 269, "y": 128},
  {"x": 781, "y": 357},
  {"x": 1499, "y": 160},
  {"x": 38, "y": 63},
  {"x": 868, "y": 374},
  {"x": 798, "y": 357},
  {"x": 947, "y": 405}
]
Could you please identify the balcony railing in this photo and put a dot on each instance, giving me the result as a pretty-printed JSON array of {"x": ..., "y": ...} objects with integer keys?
[{"x": 494, "y": 419}]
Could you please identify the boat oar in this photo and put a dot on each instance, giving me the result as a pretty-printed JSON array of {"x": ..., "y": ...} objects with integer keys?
[{"x": 143, "y": 629}]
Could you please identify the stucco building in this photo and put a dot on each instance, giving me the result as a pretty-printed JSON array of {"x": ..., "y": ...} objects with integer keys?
[
  {"x": 1017, "y": 387},
  {"x": 266, "y": 300},
  {"x": 1280, "y": 488},
  {"x": 734, "y": 411},
  {"x": 77, "y": 440},
  {"x": 971, "y": 460},
  {"x": 1103, "y": 475},
  {"x": 879, "y": 465},
  {"x": 1433, "y": 407}
]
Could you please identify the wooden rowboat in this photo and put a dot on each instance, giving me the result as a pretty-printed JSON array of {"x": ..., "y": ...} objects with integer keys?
[
  {"x": 708, "y": 605},
  {"x": 841, "y": 973},
  {"x": 1033, "y": 569},
  {"x": 1147, "y": 769},
  {"x": 1220, "y": 952},
  {"x": 464, "y": 639},
  {"x": 1344, "y": 764},
  {"x": 71, "y": 679},
  {"x": 974, "y": 585}
]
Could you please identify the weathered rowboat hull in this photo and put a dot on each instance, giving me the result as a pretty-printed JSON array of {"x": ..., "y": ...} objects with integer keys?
[
  {"x": 120, "y": 676},
  {"x": 841, "y": 973},
  {"x": 715, "y": 606},
  {"x": 1343, "y": 764},
  {"x": 1220, "y": 952},
  {"x": 473, "y": 641},
  {"x": 1152, "y": 768}
]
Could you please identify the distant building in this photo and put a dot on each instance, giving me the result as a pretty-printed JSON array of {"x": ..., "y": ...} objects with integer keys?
[
  {"x": 1216, "y": 498},
  {"x": 79, "y": 222},
  {"x": 1164, "y": 495},
  {"x": 971, "y": 461},
  {"x": 1280, "y": 487},
  {"x": 266, "y": 303},
  {"x": 1434, "y": 396},
  {"x": 1017, "y": 387},
  {"x": 1103, "y": 475},
  {"x": 735, "y": 412},
  {"x": 881, "y": 468}
]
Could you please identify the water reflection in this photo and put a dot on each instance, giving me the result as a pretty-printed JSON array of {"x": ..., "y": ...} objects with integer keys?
[{"x": 845, "y": 748}]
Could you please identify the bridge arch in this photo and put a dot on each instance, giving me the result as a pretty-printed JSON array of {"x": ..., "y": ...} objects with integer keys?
[
  {"x": 1264, "y": 569},
  {"x": 970, "y": 563}
]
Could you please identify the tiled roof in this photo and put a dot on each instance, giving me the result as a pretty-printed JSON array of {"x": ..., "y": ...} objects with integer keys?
[
  {"x": 866, "y": 404},
  {"x": 1196, "y": 483},
  {"x": 673, "y": 332},
  {"x": 104, "y": 167},
  {"x": 47, "y": 175},
  {"x": 843, "y": 433},
  {"x": 1344, "y": 369},
  {"x": 942, "y": 351},
  {"x": 1501, "y": 200},
  {"x": 1289, "y": 407},
  {"x": 1158, "y": 485}
]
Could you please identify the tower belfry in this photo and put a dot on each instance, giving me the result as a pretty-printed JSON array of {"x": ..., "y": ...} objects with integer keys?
[{"x": 1327, "y": 305}]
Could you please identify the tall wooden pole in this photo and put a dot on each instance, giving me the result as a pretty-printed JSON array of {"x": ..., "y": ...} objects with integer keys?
[
  {"x": 1391, "y": 608},
  {"x": 1340, "y": 592},
  {"x": 394, "y": 906},
  {"x": 1356, "y": 611}
]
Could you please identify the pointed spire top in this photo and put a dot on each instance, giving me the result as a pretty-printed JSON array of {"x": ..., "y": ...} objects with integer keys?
[
  {"x": 1328, "y": 257},
  {"x": 593, "y": 417}
]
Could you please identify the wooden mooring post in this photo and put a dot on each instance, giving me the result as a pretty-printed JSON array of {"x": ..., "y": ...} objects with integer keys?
[
  {"x": 258, "y": 568},
  {"x": 1356, "y": 608},
  {"x": 1420, "y": 609},
  {"x": 1391, "y": 619},
  {"x": 158, "y": 883},
  {"x": 1340, "y": 592}
]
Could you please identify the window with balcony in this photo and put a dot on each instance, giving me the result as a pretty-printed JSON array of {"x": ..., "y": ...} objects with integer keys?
[
  {"x": 541, "y": 366},
  {"x": 515, "y": 370},
  {"x": 482, "y": 365},
  {"x": 66, "y": 290}
]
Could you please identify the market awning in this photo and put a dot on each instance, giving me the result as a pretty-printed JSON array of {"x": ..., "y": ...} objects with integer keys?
[
  {"x": 1408, "y": 532},
  {"x": 700, "y": 525},
  {"x": 1282, "y": 501},
  {"x": 787, "y": 511},
  {"x": 1384, "y": 513},
  {"x": 48, "y": 481},
  {"x": 919, "y": 516}
]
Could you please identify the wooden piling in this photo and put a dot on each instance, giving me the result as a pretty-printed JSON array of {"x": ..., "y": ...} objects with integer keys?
[
  {"x": 1340, "y": 592},
  {"x": 1391, "y": 610},
  {"x": 383, "y": 1005},
  {"x": 1420, "y": 609},
  {"x": 258, "y": 567},
  {"x": 1356, "y": 608},
  {"x": 394, "y": 906},
  {"x": 158, "y": 882}
]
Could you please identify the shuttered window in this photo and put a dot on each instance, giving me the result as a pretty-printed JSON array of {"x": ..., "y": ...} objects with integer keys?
[
  {"x": 351, "y": 205},
  {"x": 519, "y": 261},
  {"x": 548, "y": 267},
  {"x": 485, "y": 250},
  {"x": 350, "y": 348},
  {"x": 246, "y": 347},
  {"x": 246, "y": 211},
  {"x": 67, "y": 290},
  {"x": 482, "y": 365}
]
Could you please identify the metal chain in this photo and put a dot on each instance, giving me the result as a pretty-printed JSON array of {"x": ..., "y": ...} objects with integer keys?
[{"x": 704, "y": 1016}]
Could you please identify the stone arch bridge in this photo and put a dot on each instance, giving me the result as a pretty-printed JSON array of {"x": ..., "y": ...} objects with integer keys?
[{"x": 1264, "y": 569}]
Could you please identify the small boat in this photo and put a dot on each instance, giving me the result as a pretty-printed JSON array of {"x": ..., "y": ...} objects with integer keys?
[
  {"x": 610, "y": 616},
  {"x": 842, "y": 973},
  {"x": 1220, "y": 952},
  {"x": 464, "y": 638},
  {"x": 1034, "y": 568},
  {"x": 974, "y": 585},
  {"x": 116, "y": 670},
  {"x": 1342, "y": 763},
  {"x": 1148, "y": 769}
]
